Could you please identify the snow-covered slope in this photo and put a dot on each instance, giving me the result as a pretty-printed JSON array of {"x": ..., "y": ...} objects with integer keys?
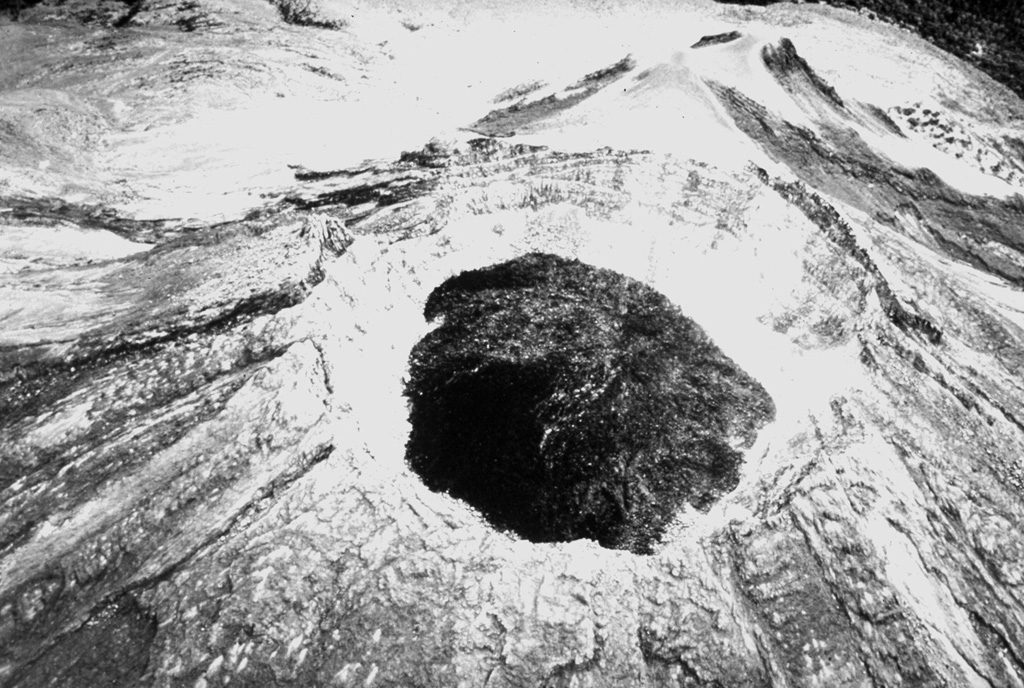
[{"x": 219, "y": 232}]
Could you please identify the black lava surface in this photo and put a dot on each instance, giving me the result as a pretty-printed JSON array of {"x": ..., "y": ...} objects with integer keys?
[{"x": 565, "y": 401}]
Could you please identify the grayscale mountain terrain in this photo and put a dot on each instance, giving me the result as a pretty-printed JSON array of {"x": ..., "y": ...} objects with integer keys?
[{"x": 506, "y": 344}]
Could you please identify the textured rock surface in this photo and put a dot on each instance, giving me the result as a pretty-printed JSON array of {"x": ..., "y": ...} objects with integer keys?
[{"x": 210, "y": 295}]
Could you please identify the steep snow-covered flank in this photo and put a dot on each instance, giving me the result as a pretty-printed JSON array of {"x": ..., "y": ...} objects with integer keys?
[
  {"x": 376, "y": 88},
  {"x": 203, "y": 420},
  {"x": 668, "y": 104}
]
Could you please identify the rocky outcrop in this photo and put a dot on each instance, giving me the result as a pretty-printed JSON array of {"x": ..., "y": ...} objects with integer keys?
[{"x": 527, "y": 111}]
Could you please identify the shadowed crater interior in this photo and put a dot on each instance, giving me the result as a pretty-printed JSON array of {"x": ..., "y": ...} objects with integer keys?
[{"x": 565, "y": 401}]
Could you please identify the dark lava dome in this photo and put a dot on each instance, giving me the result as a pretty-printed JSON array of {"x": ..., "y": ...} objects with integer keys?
[{"x": 565, "y": 401}]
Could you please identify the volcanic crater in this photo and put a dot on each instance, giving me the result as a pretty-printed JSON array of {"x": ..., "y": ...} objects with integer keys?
[{"x": 565, "y": 401}]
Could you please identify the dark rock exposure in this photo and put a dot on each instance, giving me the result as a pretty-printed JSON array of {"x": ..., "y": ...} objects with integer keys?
[
  {"x": 524, "y": 113},
  {"x": 793, "y": 72},
  {"x": 110, "y": 649},
  {"x": 716, "y": 39},
  {"x": 565, "y": 401}
]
